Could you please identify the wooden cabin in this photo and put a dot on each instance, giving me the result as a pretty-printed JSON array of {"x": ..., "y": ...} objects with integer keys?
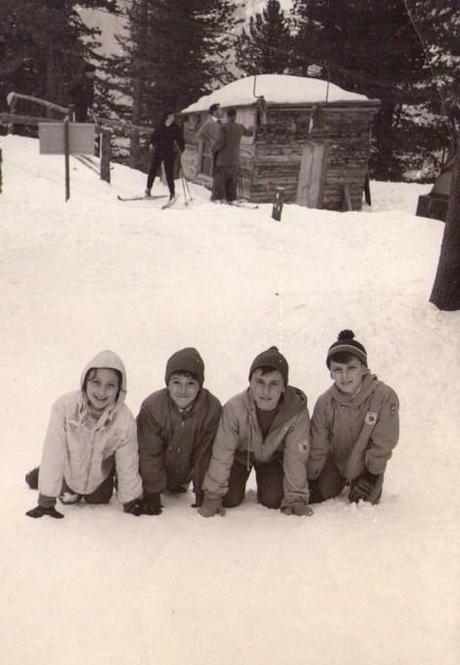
[{"x": 310, "y": 137}]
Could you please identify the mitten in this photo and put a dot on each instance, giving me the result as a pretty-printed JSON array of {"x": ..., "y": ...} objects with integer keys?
[
  {"x": 362, "y": 486},
  {"x": 133, "y": 507},
  {"x": 296, "y": 508},
  {"x": 39, "y": 511},
  {"x": 151, "y": 503},
  {"x": 211, "y": 506},
  {"x": 199, "y": 496}
]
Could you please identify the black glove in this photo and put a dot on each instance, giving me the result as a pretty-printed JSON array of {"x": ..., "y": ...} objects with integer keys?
[
  {"x": 151, "y": 503},
  {"x": 199, "y": 496},
  {"x": 362, "y": 486},
  {"x": 39, "y": 511},
  {"x": 133, "y": 507}
]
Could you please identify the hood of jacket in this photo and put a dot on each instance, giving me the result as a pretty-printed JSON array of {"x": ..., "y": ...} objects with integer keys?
[
  {"x": 367, "y": 387},
  {"x": 108, "y": 360}
]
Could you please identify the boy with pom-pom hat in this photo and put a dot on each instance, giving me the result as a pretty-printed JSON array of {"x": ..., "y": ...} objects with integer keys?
[
  {"x": 354, "y": 428},
  {"x": 266, "y": 427}
]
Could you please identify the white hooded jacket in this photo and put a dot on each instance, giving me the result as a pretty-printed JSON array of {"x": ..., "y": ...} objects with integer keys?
[{"x": 83, "y": 455}]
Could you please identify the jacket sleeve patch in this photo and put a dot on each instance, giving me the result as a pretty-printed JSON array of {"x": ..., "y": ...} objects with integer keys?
[{"x": 371, "y": 418}]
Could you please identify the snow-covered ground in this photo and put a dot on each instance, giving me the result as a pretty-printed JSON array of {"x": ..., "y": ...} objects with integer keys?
[{"x": 348, "y": 586}]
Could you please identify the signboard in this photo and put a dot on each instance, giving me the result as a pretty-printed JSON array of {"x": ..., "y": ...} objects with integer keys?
[{"x": 52, "y": 138}]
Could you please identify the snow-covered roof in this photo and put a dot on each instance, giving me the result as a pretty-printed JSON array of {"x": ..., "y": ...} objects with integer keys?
[{"x": 277, "y": 89}]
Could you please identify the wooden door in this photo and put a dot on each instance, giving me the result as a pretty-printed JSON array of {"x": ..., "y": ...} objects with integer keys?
[{"x": 311, "y": 174}]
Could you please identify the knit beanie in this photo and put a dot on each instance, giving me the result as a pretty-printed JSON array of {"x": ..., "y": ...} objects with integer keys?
[
  {"x": 274, "y": 359},
  {"x": 347, "y": 344},
  {"x": 186, "y": 360}
]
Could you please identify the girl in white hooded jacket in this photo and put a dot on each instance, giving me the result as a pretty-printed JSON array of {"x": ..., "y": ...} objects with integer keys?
[{"x": 91, "y": 436}]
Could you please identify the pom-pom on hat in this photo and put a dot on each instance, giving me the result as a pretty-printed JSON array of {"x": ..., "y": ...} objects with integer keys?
[
  {"x": 186, "y": 360},
  {"x": 347, "y": 344},
  {"x": 271, "y": 358}
]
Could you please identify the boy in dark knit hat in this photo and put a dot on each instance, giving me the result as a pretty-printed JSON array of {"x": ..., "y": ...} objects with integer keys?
[
  {"x": 354, "y": 428},
  {"x": 175, "y": 429},
  {"x": 266, "y": 428}
]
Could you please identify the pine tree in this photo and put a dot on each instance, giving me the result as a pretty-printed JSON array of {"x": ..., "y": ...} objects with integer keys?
[
  {"x": 263, "y": 48},
  {"x": 44, "y": 44},
  {"x": 370, "y": 47},
  {"x": 173, "y": 53}
]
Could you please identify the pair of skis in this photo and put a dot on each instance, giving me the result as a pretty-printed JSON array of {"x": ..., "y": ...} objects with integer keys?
[{"x": 168, "y": 204}]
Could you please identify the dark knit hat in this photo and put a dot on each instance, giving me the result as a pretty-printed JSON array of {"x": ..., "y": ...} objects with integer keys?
[
  {"x": 347, "y": 344},
  {"x": 186, "y": 360},
  {"x": 271, "y": 358}
]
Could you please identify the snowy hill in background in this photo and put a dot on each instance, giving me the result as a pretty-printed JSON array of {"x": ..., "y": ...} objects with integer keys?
[{"x": 349, "y": 585}]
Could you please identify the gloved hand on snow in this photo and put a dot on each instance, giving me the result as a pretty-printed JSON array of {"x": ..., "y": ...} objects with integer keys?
[
  {"x": 151, "y": 503},
  {"x": 295, "y": 508},
  {"x": 39, "y": 511},
  {"x": 133, "y": 507},
  {"x": 211, "y": 506},
  {"x": 362, "y": 486}
]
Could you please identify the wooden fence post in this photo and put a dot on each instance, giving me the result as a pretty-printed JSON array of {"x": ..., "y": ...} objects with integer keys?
[
  {"x": 105, "y": 152},
  {"x": 278, "y": 203}
]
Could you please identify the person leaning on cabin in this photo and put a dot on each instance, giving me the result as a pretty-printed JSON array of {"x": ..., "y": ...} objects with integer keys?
[
  {"x": 227, "y": 150},
  {"x": 166, "y": 142},
  {"x": 176, "y": 427},
  {"x": 91, "y": 436},
  {"x": 266, "y": 427},
  {"x": 82, "y": 93},
  {"x": 354, "y": 427}
]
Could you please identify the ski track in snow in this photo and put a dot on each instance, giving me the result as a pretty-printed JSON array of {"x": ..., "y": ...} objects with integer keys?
[{"x": 349, "y": 585}]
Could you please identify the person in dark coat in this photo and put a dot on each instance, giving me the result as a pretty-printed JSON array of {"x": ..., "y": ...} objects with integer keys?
[
  {"x": 176, "y": 427},
  {"x": 82, "y": 93},
  {"x": 227, "y": 151},
  {"x": 166, "y": 142}
]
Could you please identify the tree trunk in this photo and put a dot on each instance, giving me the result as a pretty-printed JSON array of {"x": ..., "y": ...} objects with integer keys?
[{"x": 446, "y": 288}]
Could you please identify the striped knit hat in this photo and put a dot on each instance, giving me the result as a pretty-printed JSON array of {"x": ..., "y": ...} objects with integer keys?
[{"x": 347, "y": 344}]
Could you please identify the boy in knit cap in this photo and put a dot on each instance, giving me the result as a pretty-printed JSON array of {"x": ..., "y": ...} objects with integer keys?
[
  {"x": 354, "y": 428},
  {"x": 266, "y": 427},
  {"x": 175, "y": 429}
]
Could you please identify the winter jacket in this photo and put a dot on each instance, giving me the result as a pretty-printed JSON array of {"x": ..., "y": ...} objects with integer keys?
[
  {"x": 84, "y": 455},
  {"x": 227, "y": 145},
  {"x": 359, "y": 432},
  {"x": 175, "y": 445},
  {"x": 210, "y": 131},
  {"x": 168, "y": 140},
  {"x": 239, "y": 439}
]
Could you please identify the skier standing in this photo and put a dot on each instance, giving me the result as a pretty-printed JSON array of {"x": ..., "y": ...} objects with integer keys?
[{"x": 166, "y": 143}]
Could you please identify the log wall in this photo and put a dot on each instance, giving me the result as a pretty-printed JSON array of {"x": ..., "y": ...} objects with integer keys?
[{"x": 272, "y": 159}]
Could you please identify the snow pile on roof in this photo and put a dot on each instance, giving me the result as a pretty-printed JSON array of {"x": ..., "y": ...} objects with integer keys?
[{"x": 277, "y": 89}]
